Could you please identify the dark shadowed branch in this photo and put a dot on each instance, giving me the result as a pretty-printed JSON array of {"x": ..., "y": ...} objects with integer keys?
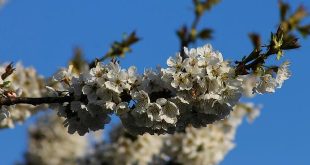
[{"x": 35, "y": 101}]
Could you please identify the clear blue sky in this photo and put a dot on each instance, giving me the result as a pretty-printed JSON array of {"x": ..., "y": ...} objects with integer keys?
[{"x": 43, "y": 33}]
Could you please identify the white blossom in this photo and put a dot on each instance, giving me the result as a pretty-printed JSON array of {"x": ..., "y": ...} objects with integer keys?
[
  {"x": 91, "y": 92},
  {"x": 132, "y": 74},
  {"x": 117, "y": 79},
  {"x": 282, "y": 74},
  {"x": 64, "y": 74},
  {"x": 266, "y": 84},
  {"x": 154, "y": 112},
  {"x": 169, "y": 110},
  {"x": 122, "y": 108},
  {"x": 230, "y": 95},
  {"x": 97, "y": 74},
  {"x": 175, "y": 64},
  {"x": 249, "y": 83},
  {"x": 182, "y": 81},
  {"x": 142, "y": 99},
  {"x": 4, "y": 113}
]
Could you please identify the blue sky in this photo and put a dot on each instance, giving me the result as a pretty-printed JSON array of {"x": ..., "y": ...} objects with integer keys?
[{"x": 43, "y": 33}]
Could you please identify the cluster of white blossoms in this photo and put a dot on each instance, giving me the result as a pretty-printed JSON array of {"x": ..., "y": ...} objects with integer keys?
[
  {"x": 197, "y": 90},
  {"x": 125, "y": 149},
  {"x": 24, "y": 82},
  {"x": 211, "y": 144},
  {"x": 195, "y": 146},
  {"x": 50, "y": 144},
  {"x": 180, "y": 99}
]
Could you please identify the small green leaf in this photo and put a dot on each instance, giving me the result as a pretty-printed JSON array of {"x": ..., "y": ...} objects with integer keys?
[
  {"x": 121, "y": 48},
  {"x": 8, "y": 71},
  {"x": 205, "y": 34},
  {"x": 78, "y": 61},
  {"x": 304, "y": 30},
  {"x": 277, "y": 42},
  {"x": 182, "y": 32},
  {"x": 284, "y": 7},
  {"x": 290, "y": 42},
  {"x": 210, "y": 3},
  {"x": 279, "y": 54},
  {"x": 256, "y": 40},
  {"x": 5, "y": 84}
]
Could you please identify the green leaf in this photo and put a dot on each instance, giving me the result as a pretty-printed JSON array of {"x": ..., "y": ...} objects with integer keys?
[
  {"x": 210, "y": 3},
  {"x": 8, "y": 71},
  {"x": 304, "y": 30},
  {"x": 256, "y": 40},
  {"x": 5, "y": 84},
  {"x": 279, "y": 54},
  {"x": 290, "y": 42},
  {"x": 121, "y": 48},
  {"x": 131, "y": 39},
  {"x": 284, "y": 7},
  {"x": 205, "y": 34},
  {"x": 182, "y": 32},
  {"x": 78, "y": 61}
]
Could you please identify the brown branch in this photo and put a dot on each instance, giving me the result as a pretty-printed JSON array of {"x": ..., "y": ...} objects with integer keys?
[
  {"x": 259, "y": 60},
  {"x": 284, "y": 36},
  {"x": 190, "y": 34},
  {"x": 35, "y": 101},
  {"x": 189, "y": 37},
  {"x": 118, "y": 48}
]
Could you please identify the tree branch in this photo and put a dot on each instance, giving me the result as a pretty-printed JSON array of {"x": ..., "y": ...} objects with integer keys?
[{"x": 35, "y": 101}]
